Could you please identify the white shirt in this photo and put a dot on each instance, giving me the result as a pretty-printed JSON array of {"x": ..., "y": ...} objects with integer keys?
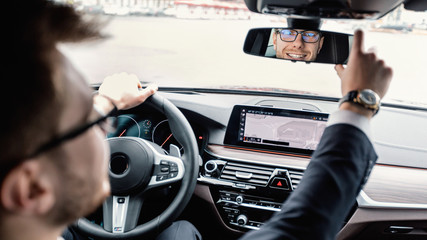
[{"x": 352, "y": 118}]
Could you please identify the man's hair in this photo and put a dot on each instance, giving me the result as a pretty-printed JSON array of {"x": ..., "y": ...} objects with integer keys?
[
  {"x": 309, "y": 24},
  {"x": 32, "y": 93}
]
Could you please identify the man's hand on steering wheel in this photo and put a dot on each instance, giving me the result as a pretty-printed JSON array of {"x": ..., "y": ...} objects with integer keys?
[{"x": 124, "y": 90}]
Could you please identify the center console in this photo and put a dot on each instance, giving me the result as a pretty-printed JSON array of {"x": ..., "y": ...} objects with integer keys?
[{"x": 247, "y": 192}]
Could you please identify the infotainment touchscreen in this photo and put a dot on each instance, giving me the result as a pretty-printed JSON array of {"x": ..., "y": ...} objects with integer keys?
[{"x": 274, "y": 128}]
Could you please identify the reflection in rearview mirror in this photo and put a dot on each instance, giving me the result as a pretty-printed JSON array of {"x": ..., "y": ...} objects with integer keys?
[{"x": 299, "y": 45}]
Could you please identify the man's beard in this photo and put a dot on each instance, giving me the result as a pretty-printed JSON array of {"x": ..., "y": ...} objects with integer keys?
[{"x": 76, "y": 198}]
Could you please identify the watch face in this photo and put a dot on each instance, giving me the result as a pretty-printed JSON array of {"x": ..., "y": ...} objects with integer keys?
[{"x": 369, "y": 97}]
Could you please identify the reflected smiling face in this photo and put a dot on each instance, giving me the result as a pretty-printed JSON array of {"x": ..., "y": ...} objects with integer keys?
[{"x": 297, "y": 49}]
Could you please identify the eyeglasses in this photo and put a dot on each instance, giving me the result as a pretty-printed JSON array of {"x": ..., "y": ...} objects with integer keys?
[
  {"x": 108, "y": 124},
  {"x": 289, "y": 35}
]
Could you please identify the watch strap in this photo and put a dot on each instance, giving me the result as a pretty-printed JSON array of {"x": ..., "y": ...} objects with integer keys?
[{"x": 353, "y": 96}]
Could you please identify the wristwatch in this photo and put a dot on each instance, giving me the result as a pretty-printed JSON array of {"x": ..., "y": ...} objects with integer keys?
[{"x": 365, "y": 98}]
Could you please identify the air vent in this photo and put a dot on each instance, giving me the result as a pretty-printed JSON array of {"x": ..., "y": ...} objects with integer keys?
[
  {"x": 247, "y": 173},
  {"x": 296, "y": 176}
]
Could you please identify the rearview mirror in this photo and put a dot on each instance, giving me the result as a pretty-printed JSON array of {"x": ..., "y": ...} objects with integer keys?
[{"x": 299, "y": 45}]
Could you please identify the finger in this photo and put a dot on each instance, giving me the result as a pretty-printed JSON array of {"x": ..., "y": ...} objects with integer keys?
[
  {"x": 339, "y": 68},
  {"x": 389, "y": 73},
  {"x": 147, "y": 92},
  {"x": 371, "y": 57},
  {"x": 357, "y": 41},
  {"x": 372, "y": 50}
]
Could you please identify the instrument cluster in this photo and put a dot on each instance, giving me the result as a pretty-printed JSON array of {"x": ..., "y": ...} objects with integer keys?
[{"x": 153, "y": 128}]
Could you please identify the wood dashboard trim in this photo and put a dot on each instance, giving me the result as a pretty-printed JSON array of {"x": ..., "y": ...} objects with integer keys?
[
  {"x": 266, "y": 151},
  {"x": 397, "y": 185}
]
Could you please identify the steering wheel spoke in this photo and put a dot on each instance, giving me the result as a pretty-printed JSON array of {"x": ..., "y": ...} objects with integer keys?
[{"x": 121, "y": 213}]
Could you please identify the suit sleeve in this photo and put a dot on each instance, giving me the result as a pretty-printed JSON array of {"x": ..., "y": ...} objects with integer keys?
[{"x": 317, "y": 208}]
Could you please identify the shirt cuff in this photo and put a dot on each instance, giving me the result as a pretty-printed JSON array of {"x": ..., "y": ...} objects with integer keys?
[{"x": 352, "y": 118}]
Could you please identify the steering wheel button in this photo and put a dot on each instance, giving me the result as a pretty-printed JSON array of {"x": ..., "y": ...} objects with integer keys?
[
  {"x": 164, "y": 162},
  {"x": 174, "y": 169},
  {"x": 173, "y": 164},
  {"x": 164, "y": 169},
  {"x": 161, "y": 177},
  {"x": 172, "y": 175}
]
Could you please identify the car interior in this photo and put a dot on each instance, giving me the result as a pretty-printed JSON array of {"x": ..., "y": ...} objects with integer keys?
[{"x": 226, "y": 160}]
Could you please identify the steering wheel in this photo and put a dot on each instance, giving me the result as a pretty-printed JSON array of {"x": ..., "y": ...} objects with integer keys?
[{"x": 136, "y": 166}]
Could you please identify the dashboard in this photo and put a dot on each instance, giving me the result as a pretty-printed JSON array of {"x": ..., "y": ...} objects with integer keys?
[{"x": 255, "y": 149}]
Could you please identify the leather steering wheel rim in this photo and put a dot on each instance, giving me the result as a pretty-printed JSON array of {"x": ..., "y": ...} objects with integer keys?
[{"x": 182, "y": 132}]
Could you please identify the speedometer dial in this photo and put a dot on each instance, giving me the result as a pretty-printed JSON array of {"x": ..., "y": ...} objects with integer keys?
[
  {"x": 162, "y": 135},
  {"x": 126, "y": 126}
]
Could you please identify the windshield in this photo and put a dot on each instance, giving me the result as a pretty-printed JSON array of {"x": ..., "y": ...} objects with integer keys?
[{"x": 199, "y": 44}]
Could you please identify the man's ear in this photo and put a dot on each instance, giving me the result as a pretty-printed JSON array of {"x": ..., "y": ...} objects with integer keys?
[
  {"x": 27, "y": 190},
  {"x": 275, "y": 40},
  {"x": 320, "y": 44}
]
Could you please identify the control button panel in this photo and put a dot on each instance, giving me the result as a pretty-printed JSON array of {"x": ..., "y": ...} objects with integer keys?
[
  {"x": 245, "y": 211},
  {"x": 166, "y": 170},
  {"x": 248, "y": 193}
]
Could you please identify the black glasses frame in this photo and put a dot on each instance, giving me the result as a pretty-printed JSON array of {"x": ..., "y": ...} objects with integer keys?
[
  {"x": 298, "y": 32},
  {"x": 73, "y": 133}
]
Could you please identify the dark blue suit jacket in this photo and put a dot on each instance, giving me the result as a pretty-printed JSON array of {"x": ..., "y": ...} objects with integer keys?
[{"x": 317, "y": 208}]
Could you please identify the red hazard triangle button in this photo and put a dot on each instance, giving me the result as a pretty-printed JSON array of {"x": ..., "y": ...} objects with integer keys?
[{"x": 281, "y": 183}]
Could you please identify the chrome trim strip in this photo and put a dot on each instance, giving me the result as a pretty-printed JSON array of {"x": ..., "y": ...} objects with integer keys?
[
  {"x": 364, "y": 201},
  {"x": 243, "y": 175},
  {"x": 401, "y": 146},
  {"x": 120, "y": 211},
  {"x": 272, "y": 209},
  {"x": 245, "y": 226},
  {"x": 224, "y": 183}
]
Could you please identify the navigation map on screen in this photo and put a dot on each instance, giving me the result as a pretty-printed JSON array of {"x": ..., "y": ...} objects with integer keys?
[{"x": 282, "y": 129}]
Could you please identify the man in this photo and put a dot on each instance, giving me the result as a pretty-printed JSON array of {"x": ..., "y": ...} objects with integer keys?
[
  {"x": 297, "y": 44},
  {"x": 54, "y": 158},
  {"x": 343, "y": 160}
]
